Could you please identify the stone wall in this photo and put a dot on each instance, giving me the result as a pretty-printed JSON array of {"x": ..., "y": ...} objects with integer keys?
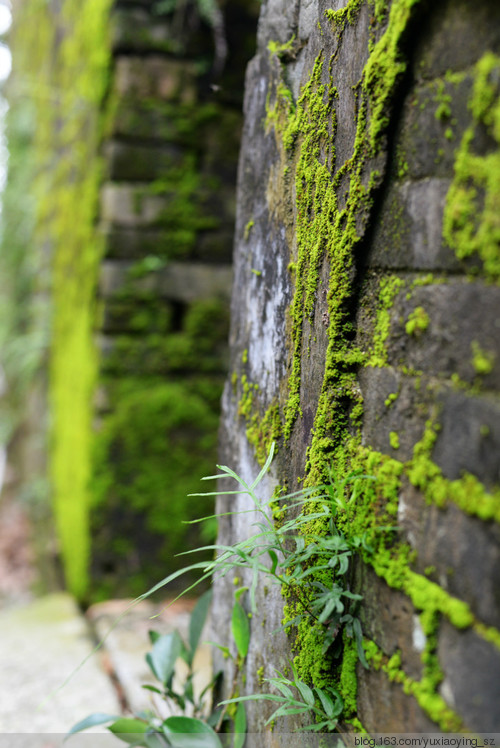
[
  {"x": 166, "y": 217},
  {"x": 122, "y": 226},
  {"x": 365, "y": 339}
]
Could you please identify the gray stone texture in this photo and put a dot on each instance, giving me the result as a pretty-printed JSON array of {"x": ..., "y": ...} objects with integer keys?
[
  {"x": 435, "y": 371},
  {"x": 178, "y": 281}
]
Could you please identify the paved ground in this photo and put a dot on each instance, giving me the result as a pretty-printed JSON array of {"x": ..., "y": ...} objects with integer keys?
[{"x": 43, "y": 644}]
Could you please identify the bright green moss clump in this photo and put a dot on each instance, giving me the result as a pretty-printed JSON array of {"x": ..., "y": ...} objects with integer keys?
[
  {"x": 470, "y": 223},
  {"x": 418, "y": 322},
  {"x": 64, "y": 59}
]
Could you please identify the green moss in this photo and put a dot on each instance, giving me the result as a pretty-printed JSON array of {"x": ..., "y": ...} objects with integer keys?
[
  {"x": 281, "y": 50},
  {"x": 347, "y": 14},
  {"x": 424, "y": 690},
  {"x": 68, "y": 55},
  {"x": 390, "y": 399},
  {"x": 157, "y": 442},
  {"x": 470, "y": 221},
  {"x": 389, "y": 289},
  {"x": 248, "y": 228},
  {"x": 394, "y": 439},
  {"x": 467, "y": 492},
  {"x": 348, "y": 678},
  {"x": 482, "y": 361},
  {"x": 417, "y": 322}
]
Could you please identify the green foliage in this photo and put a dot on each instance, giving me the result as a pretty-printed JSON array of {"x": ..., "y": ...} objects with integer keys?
[
  {"x": 312, "y": 568},
  {"x": 197, "y": 725},
  {"x": 151, "y": 451},
  {"x": 325, "y": 705}
]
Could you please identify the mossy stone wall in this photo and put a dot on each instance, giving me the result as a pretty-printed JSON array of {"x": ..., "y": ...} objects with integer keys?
[
  {"x": 130, "y": 199},
  {"x": 364, "y": 339},
  {"x": 166, "y": 217}
]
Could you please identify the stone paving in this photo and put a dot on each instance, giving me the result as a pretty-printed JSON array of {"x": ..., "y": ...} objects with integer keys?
[{"x": 49, "y": 678}]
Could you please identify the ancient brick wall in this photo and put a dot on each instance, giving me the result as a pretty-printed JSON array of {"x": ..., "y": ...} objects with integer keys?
[
  {"x": 365, "y": 339},
  {"x": 166, "y": 217}
]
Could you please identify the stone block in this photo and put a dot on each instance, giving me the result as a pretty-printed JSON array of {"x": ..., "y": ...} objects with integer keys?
[
  {"x": 469, "y": 436},
  {"x": 406, "y": 415},
  {"x": 461, "y": 336},
  {"x": 308, "y": 19},
  {"x": 214, "y": 246},
  {"x": 472, "y": 677},
  {"x": 131, "y": 205},
  {"x": 145, "y": 120},
  {"x": 155, "y": 77},
  {"x": 384, "y": 707},
  {"x": 134, "y": 29},
  {"x": 131, "y": 162},
  {"x": 455, "y": 35},
  {"x": 184, "y": 282},
  {"x": 127, "y": 243},
  {"x": 440, "y": 536},
  {"x": 389, "y": 619},
  {"x": 408, "y": 229},
  {"x": 430, "y": 111},
  {"x": 277, "y": 23}
]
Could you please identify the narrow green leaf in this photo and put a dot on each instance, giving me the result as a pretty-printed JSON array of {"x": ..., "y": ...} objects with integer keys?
[
  {"x": 305, "y": 692},
  {"x": 240, "y": 726},
  {"x": 98, "y": 718},
  {"x": 274, "y": 560},
  {"x": 265, "y": 467},
  {"x": 240, "y": 628},
  {"x": 197, "y": 621},
  {"x": 358, "y": 633},
  {"x": 327, "y": 702}
]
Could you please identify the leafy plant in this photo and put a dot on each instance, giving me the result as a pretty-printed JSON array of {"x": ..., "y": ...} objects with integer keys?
[
  {"x": 324, "y": 703},
  {"x": 314, "y": 568},
  {"x": 199, "y": 718}
]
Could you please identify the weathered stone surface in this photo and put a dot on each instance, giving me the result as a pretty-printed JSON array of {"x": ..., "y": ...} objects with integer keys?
[
  {"x": 463, "y": 317},
  {"x": 178, "y": 281},
  {"x": 384, "y": 707},
  {"x": 435, "y": 115},
  {"x": 135, "y": 30},
  {"x": 442, "y": 367},
  {"x": 131, "y": 205},
  {"x": 155, "y": 77},
  {"x": 455, "y": 36},
  {"x": 278, "y": 22},
  {"x": 389, "y": 619},
  {"x": 408, "y": 232},
  {"x": 469, "y": 437},
  {"x": 472, "y": 677},
  {"x": 127, "y": 162},
  {"x": 405, "y": 416},
  {"x": 439, "y": 536}
]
